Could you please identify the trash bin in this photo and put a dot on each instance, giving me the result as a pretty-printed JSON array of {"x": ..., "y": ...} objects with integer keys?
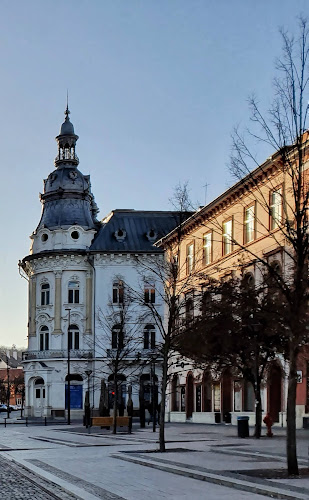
[{"x": 243, "y": 427}]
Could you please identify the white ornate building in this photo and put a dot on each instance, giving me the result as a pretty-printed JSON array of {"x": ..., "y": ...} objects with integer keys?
[{"x": 77, "y": 267}]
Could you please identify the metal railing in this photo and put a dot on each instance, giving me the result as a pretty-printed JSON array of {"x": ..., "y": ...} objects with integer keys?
[{"x": 57, "y": 353}]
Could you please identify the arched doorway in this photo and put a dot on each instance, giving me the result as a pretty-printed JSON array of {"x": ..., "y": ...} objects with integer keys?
[
  {"x": 275, "y": 392},
  {"x": 39, "y": 397},
  {"x": 189, "y": 392},
  {"x": 175, "y": 394},
  {"x": 76, "y": 392}
]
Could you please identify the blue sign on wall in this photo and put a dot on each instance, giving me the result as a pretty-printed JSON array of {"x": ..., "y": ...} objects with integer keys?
[{"x": 76, "y": 398}]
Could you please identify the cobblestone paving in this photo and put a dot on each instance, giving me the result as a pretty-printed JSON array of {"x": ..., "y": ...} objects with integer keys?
[
  {"x": 17, "y": 482},
  {"x": 85, "y": 485}
]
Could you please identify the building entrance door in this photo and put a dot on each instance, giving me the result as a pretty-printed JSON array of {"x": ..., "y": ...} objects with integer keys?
[{"x": 39, "y": 397}]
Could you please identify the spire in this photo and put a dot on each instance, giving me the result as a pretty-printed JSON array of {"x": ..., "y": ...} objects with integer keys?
[
  {"x": 67, "y": 111},
  {"x": 66, "y": 142}
]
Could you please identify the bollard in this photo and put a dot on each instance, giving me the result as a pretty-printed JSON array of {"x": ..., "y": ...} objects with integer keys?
[
  {"x": 4, "y": 422},
  {"x": 26, "y": 421}
]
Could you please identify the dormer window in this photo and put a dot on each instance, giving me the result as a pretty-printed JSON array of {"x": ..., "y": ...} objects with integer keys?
[
  {"x": 73, "y": 292},
  {"x": 120, "y": 234},
  {"x": 152, "y": 235},
  {"x": 45, "y": 294}
]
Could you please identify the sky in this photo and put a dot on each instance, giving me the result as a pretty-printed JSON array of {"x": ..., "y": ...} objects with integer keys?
[{"x": 155, "y": 90}]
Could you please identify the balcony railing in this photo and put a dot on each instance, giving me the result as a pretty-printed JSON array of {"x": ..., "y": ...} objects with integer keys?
[{"x": 58, "y": 353}]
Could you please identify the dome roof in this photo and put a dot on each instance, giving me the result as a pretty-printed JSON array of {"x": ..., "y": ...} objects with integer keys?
[{"x": 67, "y": 127}]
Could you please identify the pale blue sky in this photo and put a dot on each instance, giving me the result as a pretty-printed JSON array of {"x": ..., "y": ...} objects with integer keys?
[{"x": 155, "y": 88}]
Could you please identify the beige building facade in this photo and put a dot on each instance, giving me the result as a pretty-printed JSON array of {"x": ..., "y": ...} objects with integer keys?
[{"x": 232, "y": 236}]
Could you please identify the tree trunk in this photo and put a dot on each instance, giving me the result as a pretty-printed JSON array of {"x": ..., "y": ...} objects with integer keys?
[
  {"x": 115, "y": 405},
  {"x": 162, "y": 405},
  {"x": 291, "y": 416},
  {"x": 258, "y": 412}
]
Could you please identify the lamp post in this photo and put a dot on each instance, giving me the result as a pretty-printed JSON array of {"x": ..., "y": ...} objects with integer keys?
[
  {"x": 69, "y": 375},
  {"x": 8, "y": 388},
  {"x": 87, "y": 405},
  {"x": 153, "y": 374}
]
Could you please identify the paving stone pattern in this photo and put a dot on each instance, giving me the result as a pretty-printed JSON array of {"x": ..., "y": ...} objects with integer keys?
[
  {"x": 85, "y": 485},
  {"x": 19, "y": 483}
]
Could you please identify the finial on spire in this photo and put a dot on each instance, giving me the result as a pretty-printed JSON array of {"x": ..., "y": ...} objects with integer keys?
[{"x": 67, "y": 111}]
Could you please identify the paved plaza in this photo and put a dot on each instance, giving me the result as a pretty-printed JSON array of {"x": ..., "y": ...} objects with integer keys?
[{"x": 202, "y": 461}]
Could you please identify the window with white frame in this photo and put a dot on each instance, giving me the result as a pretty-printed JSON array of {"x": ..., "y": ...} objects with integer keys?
[
  {"x": 207, "y": 248},
  {"x": 190, "y": 258},
  {"x": 118, "y": 292},
  {"x": 149, "y": 293},
  {"x": 149, "y": 337},
  {"x": 249, "y": 223},
  {"x": 45, "y": 294},
  {"x": 73, "y": 292},
  {"x": 275, "y": 208},
  {"x": 44, "y": 338},
  {"x": 73, "y": 333},
  {"x": 227, "y": 236},
  {"x": 117, "y": 337}
]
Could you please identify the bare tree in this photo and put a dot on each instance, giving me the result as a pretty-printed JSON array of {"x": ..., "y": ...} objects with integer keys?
[
  {"x": 284, "y": 129},
  {"x": 173, "y": 298},
  {"x": 117, "y": 344}
]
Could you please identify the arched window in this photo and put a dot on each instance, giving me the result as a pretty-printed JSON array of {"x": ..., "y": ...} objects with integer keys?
[
  {"x": 73, "y": 292},
  {"x": 73, "y": 337},
  {"x": 117, "y": 337},
  {"x": 45, "y": 293},
  {"x": 149, "y": 337},
  {"x": 248, "y": 281},
  {"x": 44, "y": 338},
  {"x": 118, "y": 292}
]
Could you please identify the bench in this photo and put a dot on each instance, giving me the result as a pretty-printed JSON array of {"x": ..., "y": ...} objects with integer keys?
[{"x": 109, "y": 422}]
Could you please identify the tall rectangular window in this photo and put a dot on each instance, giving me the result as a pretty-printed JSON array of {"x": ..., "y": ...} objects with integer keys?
[
  {"x": 118, "y": 292},
  {"x": 249, "y": 224},
  {"x": 190, "y": 258},
  {"x": 149, "y": 294},
  {"x": 73, "y": 292},
  {"x": 45, "y": 289},
  {"x": 227, "y": 236},
  {"x": 275, "y": 208},
  {"x": 207, "y": 248}
]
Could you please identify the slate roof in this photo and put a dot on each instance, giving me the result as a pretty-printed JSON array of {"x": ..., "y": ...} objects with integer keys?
[{"x": 135, "y": 225}]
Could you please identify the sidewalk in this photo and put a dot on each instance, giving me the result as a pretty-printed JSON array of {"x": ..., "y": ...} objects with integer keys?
[{"x": 102, "y": 465}]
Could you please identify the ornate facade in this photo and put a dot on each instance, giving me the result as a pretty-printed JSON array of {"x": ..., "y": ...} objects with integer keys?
[{"x": 77, "y": 270}]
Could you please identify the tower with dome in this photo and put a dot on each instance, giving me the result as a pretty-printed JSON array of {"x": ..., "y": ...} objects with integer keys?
[{"x": 77, "y": 270}]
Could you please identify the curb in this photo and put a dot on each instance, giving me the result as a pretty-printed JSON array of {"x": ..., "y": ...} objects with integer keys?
[{"x": 238, "y": 484}]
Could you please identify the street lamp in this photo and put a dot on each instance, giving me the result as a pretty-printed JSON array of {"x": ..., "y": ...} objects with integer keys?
[
  {"x": 87, "y": 404},
  {"x": 69, "y": 375},
  {"x": 8, "y": 388}
]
